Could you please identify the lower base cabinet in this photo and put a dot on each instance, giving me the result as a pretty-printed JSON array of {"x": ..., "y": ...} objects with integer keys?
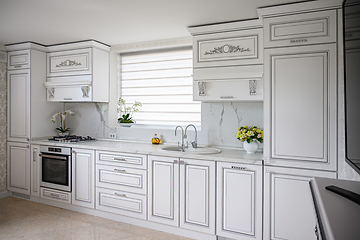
[
  {"x": 288, "y": 206},
  {"x": 239, "y": 201},
  {"x": 188, "y": 180},
  {"x": 83, "y": 181},
  {"x": 18, "y": 167}
]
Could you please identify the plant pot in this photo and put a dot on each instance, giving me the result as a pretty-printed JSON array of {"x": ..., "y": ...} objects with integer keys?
[
  {"x": 126, "y": 124},
  {"x": 251, "y": 147},
  {"x": 62, "y": 134}
]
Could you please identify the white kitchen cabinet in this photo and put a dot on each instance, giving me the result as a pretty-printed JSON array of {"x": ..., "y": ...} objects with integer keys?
[
  {"x": 83, "y": 186},
  {"x": 18, "y": 167},
  {"x": 119, "y": 159},
  {"x": 239, "y": 201},
  {"x": 288, "y": 205},
  {"x": 18, "y": 105},
  {"x": 163, "y": 185},
  {"x": 35, "y": 170},
  {"x": 29, "y": 114},
  {"x": 300, "y": 129},
  {"x": 19, "y": 59},
  {"x": 301, "y": 29},
  {"x": 78, "y": 72},
  {"x": 191, "y": 181},
  {"x": 197, "y": 195}
]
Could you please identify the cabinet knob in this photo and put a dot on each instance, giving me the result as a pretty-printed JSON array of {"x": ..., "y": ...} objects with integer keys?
[
  {"x": 182, "y": 162},
  {"x": 175, "y": 161}
]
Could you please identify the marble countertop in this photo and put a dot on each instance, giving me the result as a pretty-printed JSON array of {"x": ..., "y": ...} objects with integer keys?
[{"x": 226, "y": 155}]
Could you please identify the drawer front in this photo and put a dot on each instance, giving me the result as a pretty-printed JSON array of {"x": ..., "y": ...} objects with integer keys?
[
  {"x": 120, "y": 159},
  {"x": 19, "y": 59},
  {"x": 65, "y": 63},
  {"x": 300, "y": 29},
  {"x": 123, "y": 203},
  {"x": 230, "y": 48},
  {"x": 228, "y": 90},
  {"x": 122, "y": 179},
  {"x": 55, "y": 195}
]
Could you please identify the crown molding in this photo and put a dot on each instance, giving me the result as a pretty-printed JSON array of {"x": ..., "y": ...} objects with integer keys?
[{"x": 152, "y": 45}]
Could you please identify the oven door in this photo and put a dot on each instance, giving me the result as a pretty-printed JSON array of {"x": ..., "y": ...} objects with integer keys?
[{"x": 56, "y": 171}]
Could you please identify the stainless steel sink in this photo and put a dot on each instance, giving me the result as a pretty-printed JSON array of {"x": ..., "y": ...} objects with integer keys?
[{"x": 198, "y": 150}]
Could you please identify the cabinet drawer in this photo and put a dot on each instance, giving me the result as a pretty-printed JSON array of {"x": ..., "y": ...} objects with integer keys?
[
  {"x": 19, "y": 59},
  {"x": 120, "y": 159},
  {"x": 123, "y": 203},
  {"x": 55, "y": 195},
  {"x": 73, "y": 62},
  {"x": 300, "y": 29},
  {"x": 229, "y": 48},
  {"x": 120, "y": 178},
  {"x": 228, "y": 90}
]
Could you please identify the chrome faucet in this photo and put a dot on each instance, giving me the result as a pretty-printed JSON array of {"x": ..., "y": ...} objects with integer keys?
[
  {"x": 182, "y": 138},
  {"x": 193, "y": 143}
]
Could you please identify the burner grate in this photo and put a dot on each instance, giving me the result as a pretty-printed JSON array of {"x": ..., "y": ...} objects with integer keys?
[{"x": 71, "y": 138}]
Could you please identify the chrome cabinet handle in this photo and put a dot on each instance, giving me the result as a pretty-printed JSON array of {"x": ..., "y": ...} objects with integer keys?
[
  {"x": 119, "y": 170},
  {"x": 67, "y": 98},
  {"x": 238, "y": 168},
  {"x": 52, "y": 156},
  {"x": 35, "y": 181},
  {"x": 316, "y": 232},
  {"x": 298, "y": 40},
  {"x": 54, "y": 195},
  {"x": 120, "y": 159},
  {"x": 17, "y": 66},
  {"x": 119, "y": 194},
  {"x": 34, "y": 155},
  {"x": 226, "y": 97}
]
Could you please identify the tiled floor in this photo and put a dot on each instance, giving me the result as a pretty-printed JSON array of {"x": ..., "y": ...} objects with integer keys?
[{"x": 22, "y": 219}]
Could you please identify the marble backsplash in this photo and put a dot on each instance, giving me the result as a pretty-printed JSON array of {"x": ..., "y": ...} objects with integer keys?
[{"x": 219, "y": 123}]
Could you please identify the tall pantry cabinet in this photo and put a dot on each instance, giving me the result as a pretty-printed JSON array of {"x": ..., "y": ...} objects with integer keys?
[
  {"x": 29, "y": 115},
  {"x": 300, "y": 112}
]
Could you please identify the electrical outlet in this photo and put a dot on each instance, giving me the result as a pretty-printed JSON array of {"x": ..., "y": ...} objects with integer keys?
[{"x": 112, "y": 135}]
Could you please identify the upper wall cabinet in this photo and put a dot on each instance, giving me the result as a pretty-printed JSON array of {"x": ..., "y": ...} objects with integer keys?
[
  {"x": 19, "y": 59},
  {"x": 301, "y": 29},
  {"x": 78, "y": 72},
  {"x": 227, "y": 61}
]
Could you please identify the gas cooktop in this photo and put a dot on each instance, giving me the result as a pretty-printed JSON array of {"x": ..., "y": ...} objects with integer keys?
[{"x": 71, "y": 138}]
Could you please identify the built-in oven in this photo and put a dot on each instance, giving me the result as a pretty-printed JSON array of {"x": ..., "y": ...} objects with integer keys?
[{"x": 55, "y": 163}]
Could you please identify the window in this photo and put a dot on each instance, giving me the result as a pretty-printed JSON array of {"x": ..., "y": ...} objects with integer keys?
[{"x": 162, "y": 82}]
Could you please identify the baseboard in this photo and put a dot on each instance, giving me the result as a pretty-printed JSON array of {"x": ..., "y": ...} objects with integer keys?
[{"x": 4, "y": 194}]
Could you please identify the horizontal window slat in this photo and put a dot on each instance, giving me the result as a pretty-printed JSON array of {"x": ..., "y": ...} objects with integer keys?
[
  {"x": 160, "y": 99},
  {"x": 178, "y": 64},
  {"x": 157, "y": 74},
  {"x": 169, "y": 123},
  {"x": 155, "y": 57},
  {"x": 180, "y": 90},
  {"x": 157, "y": 82},
  {"x": 179, "y": 108},
  {"x": 167, "y": 116}
]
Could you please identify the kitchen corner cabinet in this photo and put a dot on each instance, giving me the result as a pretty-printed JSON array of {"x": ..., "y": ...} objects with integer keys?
[
  {"x": 288, "y": 205},
  {"x": 239, "y": 201},
  {"x": 83, "y": 186},
  {"x": 191, "y": 181},
  {"x": 301, "y": 131},
  {"x": 18, "y": 167},
  {"x": 35, "y": 170}
]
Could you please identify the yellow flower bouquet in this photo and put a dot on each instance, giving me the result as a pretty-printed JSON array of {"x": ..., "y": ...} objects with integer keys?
[{"x": 250, "y": 134}]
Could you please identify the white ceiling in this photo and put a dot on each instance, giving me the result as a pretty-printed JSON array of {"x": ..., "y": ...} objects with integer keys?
[{"x": 116, "y": 21}]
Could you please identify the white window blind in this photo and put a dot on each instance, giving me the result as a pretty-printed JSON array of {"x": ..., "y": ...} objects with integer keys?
[{"x": 162, "y": 82}]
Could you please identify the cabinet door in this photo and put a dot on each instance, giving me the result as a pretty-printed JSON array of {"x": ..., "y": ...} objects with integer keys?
[
  {"x": 197, "y": 195},
  {"x": 83, "y": 177},
  {"x": 163, "y": 190},
  {"x": 19, "y": 60},
  {"x": 239, "y": 201},
  {"x": 288, "y": 205},
  {"x": 18, "y": 167},
  {"x": 35, "y": 170},
  {"x": 302, "y": 86},
  {"x": 19, "y": 105},
  {"x": 67, "y": 63}
]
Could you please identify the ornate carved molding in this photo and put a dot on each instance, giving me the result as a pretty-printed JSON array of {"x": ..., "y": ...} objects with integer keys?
[
  {"x": 85, "y": 91},
  {"x": 68, "y": 63},
  {"x": 51, "y": 92},
  {"x": 252, "y": 87},
  {"x": 202, "y": 88},
  {"x": 227, "y": 48}
]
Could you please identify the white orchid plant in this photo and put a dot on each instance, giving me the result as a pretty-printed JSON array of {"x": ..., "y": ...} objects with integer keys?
[
  {"x": 62, "y": 116},
  {"x": 127, "y": 112}
]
